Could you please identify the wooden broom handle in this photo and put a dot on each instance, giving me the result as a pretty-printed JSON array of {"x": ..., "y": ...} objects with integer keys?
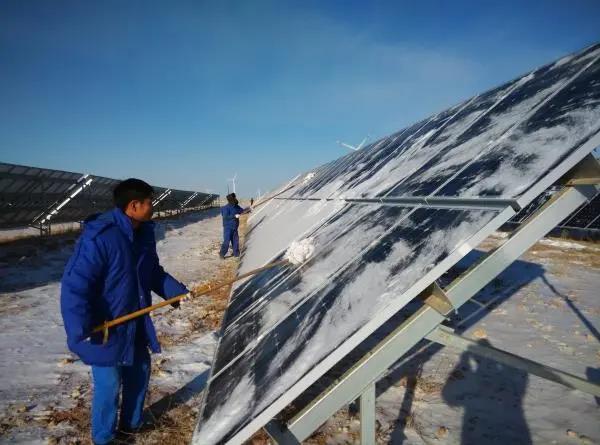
[{"x": 205, "y": 289}]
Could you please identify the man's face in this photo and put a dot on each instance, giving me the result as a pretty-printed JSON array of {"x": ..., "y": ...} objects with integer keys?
[{"x": 140, "y": 210}]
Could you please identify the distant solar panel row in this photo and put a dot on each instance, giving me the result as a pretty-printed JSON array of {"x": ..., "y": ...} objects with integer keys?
[
  {"x": 27, "y": 192},
  {"x": 285, "y": 328}
]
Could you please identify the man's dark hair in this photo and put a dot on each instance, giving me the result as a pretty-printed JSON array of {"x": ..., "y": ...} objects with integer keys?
[{"x": 131, "y": 190}]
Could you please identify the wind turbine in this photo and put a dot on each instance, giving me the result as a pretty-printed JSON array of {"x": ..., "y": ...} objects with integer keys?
[
  {"x": 352, "y": 147},
  {"x": 232, "y": 182}
]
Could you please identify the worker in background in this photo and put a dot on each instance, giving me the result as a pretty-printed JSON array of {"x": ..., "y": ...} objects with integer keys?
[
  {"x": 111, "y": 273},
  {"x": 231, "y": 213}
]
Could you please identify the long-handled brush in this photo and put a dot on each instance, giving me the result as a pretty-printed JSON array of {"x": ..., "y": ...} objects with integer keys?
[{"x": 298, "y": 253}]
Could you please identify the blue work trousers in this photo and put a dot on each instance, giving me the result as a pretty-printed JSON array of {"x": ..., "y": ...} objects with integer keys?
[
  {"x": 230, "y": 236},
  {"x": 110, "y": 382}
]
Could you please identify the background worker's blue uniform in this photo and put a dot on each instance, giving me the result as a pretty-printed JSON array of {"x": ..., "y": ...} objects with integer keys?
[
  {"x": 111, "y": 273},
  {"x": 230, "y": 228}
]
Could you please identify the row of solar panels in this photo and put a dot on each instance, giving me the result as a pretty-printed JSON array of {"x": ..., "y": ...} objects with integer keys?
[{"x": 28, "y": 194}]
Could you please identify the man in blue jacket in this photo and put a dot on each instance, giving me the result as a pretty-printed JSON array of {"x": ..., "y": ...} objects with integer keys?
[
  {"x": 112, "y": 272},
  {"x": 231, "y": 221}
]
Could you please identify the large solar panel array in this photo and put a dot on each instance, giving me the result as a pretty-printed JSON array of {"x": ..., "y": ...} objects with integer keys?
[
  {"x": 387, "y": 221},
  {"x": 26, "y": 193}
]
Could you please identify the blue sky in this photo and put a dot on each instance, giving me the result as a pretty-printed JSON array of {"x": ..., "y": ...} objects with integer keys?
[{"x": 184, "y": 94}]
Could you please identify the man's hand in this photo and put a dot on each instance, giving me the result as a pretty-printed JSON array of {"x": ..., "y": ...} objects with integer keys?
[{"x": 237, "y": 216}]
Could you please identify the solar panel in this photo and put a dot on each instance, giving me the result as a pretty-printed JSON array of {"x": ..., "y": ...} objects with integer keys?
[
  {"x": 284, "y": 328},
  {"x": 25, "y": 192},
  {"x": 28, "y": 193},
  {"x": 423, "y": 157}
]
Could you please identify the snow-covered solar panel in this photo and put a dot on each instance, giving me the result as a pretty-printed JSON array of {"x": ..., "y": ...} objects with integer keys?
[{"x": 286, "y": 327}]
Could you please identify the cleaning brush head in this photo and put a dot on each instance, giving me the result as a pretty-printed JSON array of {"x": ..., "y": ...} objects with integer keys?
[{"x": 300, "y": 251}]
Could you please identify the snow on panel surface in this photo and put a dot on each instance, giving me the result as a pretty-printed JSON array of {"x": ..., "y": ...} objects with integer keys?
[
  {"x": 367, "y": 285},
  {"x": 530, "y": 92},
  {"x": 283, "y": 323},
  {"x": 419, "y": 160},
  {"x": 259, "y": 304},
  {"x": 275, "y": 225},
  {"x": 537, "y": 145}
]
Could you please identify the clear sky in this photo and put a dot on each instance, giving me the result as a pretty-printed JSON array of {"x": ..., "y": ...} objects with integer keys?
[{"x": 185, "y": 94}]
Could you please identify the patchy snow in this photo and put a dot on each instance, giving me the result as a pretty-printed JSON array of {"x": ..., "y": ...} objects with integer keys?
[
  {"x": 38, "y": 373},
  {"x": 565, "y": 244},
  {"x": 546, "y": 309}
]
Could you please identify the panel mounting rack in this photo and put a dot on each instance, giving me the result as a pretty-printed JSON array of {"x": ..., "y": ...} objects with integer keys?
[{"x": 359, "y": 381}]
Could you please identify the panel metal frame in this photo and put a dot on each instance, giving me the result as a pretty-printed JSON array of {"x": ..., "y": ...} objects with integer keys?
[
  {"x": 427, "y": 320},
  {"x": 436, "y": 202}
]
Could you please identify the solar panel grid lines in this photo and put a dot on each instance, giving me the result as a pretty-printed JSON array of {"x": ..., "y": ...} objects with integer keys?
[
  {"x": 303, "y": 327},
  {"x": 418, "y": 130},
  {"x": 544, "y": 84},
  {"x": 310, "y": 313},
  {"x": 487, "y": 103},
  {"x": 387, "y": 146},
  {"x": 583, "y": 218},
  {"x": 539, "y": 146},
  {"x": 308, "y": 283},
  {"x": 506, "y": 119},
  {"x": 395, "y": 149},
  {"x": 239, "y": 295}
]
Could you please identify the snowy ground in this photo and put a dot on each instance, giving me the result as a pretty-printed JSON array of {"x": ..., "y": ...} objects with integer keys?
[
  {"x": 39, "y": 379},
  {"x": 544, "y": 307}
]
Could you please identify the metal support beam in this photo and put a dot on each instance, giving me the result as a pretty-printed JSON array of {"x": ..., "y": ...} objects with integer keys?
[
  {"x": 445, "y": 336},
  {"x": 280, "y": 434},
  {"x": 435, "y": 297},
  {"x": 369, "y": 369},
  {"x": 437, "y": 202},
  {"x": 587, "y": 172},
  {"x": 367, "y": 415}
]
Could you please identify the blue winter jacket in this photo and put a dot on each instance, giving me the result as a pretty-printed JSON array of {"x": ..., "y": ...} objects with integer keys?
[
  {"x": 111, "y": 273},
  {"x": 228, "y": 213}
]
